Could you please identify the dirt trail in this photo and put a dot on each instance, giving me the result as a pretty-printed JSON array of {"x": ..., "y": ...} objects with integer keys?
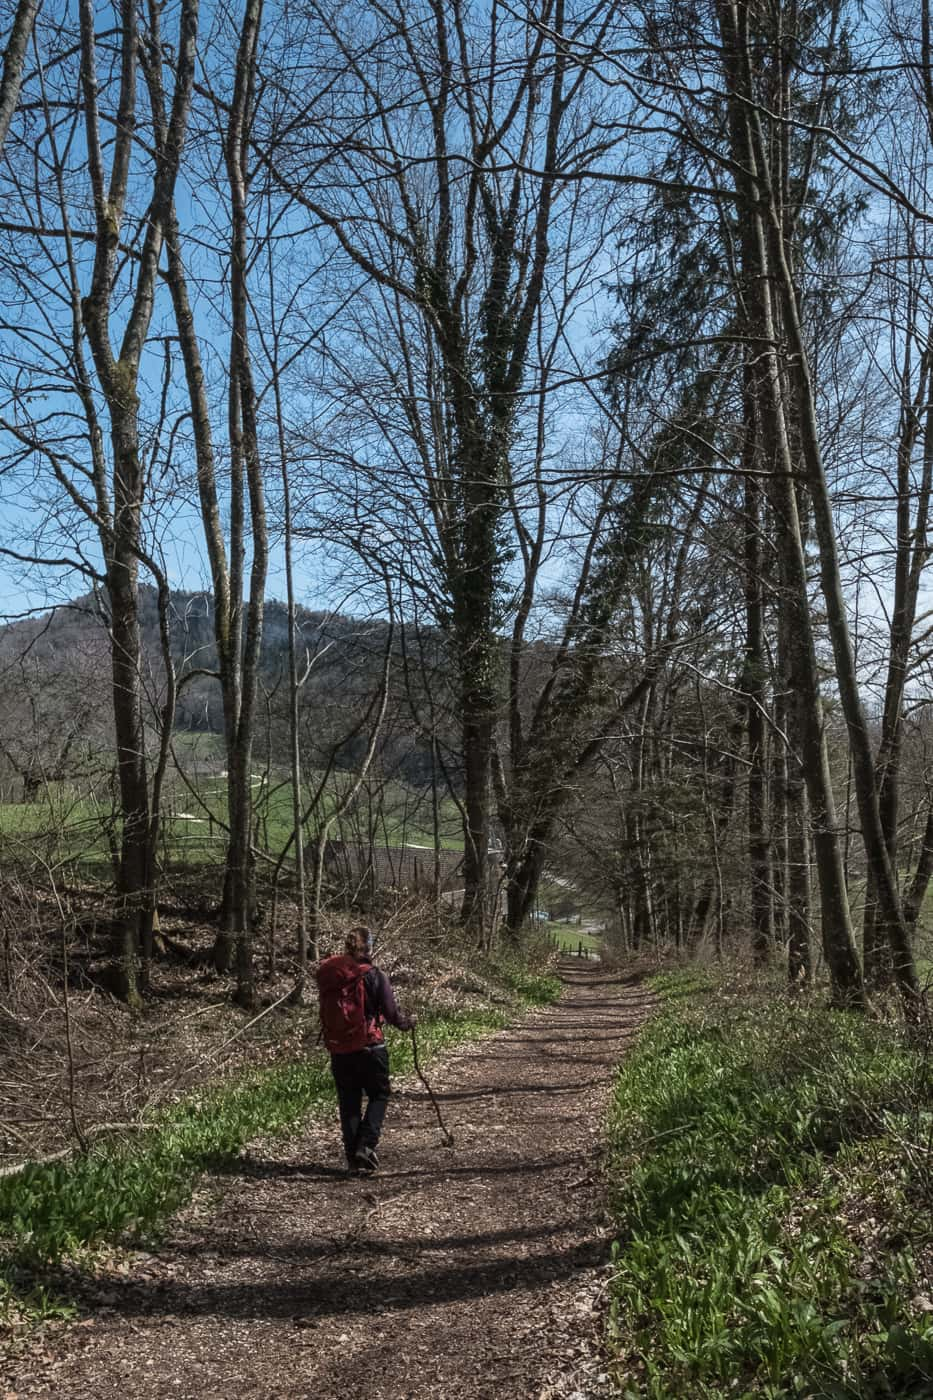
[{"x": 467, "y": 1273}]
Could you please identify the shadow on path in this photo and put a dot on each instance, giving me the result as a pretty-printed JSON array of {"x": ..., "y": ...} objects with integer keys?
[{"x": 336, "y": 1296}]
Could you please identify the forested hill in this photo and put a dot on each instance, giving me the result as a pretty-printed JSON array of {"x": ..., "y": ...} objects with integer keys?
[{"x": 70, "y": 642}]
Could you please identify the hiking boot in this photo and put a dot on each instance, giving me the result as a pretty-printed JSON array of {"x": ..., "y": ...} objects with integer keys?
[{"x": 366, "y": 1159}]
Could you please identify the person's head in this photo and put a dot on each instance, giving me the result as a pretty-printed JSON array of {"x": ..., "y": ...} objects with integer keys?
[{"x": 359, "y": 943}]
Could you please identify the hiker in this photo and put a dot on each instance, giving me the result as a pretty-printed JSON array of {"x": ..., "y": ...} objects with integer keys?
[{"x": 356, "y": 999}]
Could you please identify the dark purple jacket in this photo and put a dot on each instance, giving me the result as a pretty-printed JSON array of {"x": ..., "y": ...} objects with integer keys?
[{"x": 381, "y": 1005}]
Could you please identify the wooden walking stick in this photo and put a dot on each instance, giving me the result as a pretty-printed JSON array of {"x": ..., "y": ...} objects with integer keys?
[{"x": 448, "y": 1136}]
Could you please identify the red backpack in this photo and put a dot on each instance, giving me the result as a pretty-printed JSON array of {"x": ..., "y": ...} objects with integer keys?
[{"x": 343, "y": 1004}]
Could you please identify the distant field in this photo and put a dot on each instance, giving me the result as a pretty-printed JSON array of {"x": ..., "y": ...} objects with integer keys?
[
  {"x": 568, "y": 937},
  {"x": 398, "y": 817},
  {"x": 69, "y": 826},
  {"x": 67, "y": 829},
  {"x": 190, "y": 746}
]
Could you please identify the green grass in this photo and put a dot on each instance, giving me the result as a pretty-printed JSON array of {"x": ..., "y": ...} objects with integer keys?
[
  {"x": 527, "y": 986},
  {"x": 560, "y": 898},
  {"x": 195, "y": 746},
  {"x": 568, "y": 937},
  {"x": 772, "y": 1213},
  {"x": 67, "y": 829},
  {"x": 405, "y": 817}
]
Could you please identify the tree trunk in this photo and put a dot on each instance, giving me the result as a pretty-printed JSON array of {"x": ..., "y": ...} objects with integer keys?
[
  {"x": 122, "y": 590},
  {"x": 645, "y": 931},
  {"x": 753, "y": 684},
  {"x": 798, "y": 918},
  {"x": 14, "y": 55},
  {"x": 118, "y": 375},
  {"x": 774, "y": 257},
  {"x": 804, "y": 684},
  {"x": 477, "y": 729},
  {"x": 779, "y": 777},
  {"x": 315, "y": 903},
  {"x": 244, "y": 444},
  {"x": 436, "y": 879},
  {"x": 523, "y": 880},
  {"x": 910, "y": 557},
  {"x": 803, "y": 670},
  {"x": 913, "y": 902}
]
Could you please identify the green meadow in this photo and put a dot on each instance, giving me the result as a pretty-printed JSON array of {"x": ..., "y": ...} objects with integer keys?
[{"x": 73, "y": 826}]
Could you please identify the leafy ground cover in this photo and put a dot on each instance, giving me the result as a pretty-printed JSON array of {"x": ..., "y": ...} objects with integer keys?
[{"x": 772, "y": 1180}]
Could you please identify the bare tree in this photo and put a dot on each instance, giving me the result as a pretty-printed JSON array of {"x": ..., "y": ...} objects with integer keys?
[
  {"x": 435, "y": 213},
  {"x": 105, "y": 490}
]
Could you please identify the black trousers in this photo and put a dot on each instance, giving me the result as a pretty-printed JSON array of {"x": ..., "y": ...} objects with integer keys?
[{"x": 356, "y": 1073}]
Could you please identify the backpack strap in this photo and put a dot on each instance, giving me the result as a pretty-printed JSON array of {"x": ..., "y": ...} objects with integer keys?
[{"x": 372, "y": 998}]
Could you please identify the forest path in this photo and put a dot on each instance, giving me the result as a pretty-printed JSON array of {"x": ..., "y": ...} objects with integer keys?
[{"x": 465, "y": 1273}]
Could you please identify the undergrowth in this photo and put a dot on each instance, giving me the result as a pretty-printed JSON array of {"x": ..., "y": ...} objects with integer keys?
[
  {"x": 526, "y": 985},
  {"x": 772, "y": 1183},
  {"x": 125, "y": 1187}
]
